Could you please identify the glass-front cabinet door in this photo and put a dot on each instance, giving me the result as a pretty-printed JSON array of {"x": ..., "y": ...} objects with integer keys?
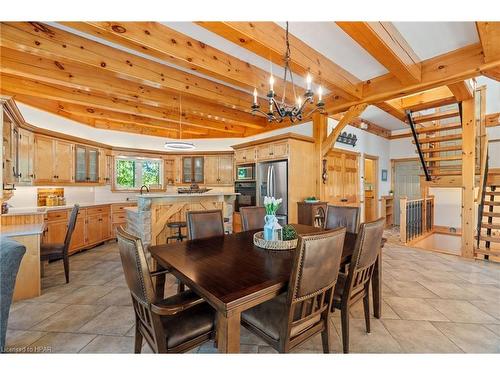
[
  {"x": 93, "y": 165},
  {"x": 192, "y": 170},
  {"x": 80, "y": 163}
]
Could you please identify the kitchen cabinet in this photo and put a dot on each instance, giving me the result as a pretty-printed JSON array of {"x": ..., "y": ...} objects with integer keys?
[
  {"x": 245, "y": 155},
  {"x": 10, "y": 151},
  {"x": 119, "y": 216},
  {"x": 26, "y": 156},
  {"x": 78, "y": 237},
  {"x": 86, "y": 164},
  {"x": 172, "y": 170},
  {"x": 53, "y": 160},
  {"x": 105, "y": 167},
  {"x": 275, "y": 150},
  {"x": 193, "y": 170},
  {"x": 219, "y": 170}
]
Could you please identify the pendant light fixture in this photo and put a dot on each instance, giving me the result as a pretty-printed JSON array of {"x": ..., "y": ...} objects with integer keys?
[
  {"x": 279, "y": 110},
  {"x": 179, "y": 145}
]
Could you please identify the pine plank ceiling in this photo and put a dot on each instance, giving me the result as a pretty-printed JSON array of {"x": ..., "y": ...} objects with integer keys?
[{"x": 143, "y": 77}]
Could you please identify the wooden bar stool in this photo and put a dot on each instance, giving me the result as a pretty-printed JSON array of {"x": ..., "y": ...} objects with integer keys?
[{"x": 177, "y": 225}]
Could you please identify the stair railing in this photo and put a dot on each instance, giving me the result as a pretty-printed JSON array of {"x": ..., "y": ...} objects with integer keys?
[
  {"x": 417, "y": 144},
  {"x": 482, "y": 185},
  {"x": 416, "y": 218}
]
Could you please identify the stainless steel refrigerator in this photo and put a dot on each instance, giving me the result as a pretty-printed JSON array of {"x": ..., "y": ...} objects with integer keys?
[{"x": 272, "y": 181}]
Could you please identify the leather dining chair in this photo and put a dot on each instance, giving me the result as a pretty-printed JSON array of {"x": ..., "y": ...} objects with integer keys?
[
  {"x": 56, "y": 251},
  {"x": 304, "y": 310},
  {"x": 252, "y": 217},
  {"x": 341, "y": 216},
  {"x": 204, "y": 224},
  {"x": 172, "y": 325},
  {"x": 354, "y": 285}
]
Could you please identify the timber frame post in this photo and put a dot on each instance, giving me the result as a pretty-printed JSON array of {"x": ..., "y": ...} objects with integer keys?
[
  {"x": 468, "y": 176},
  {"x": 320, "y": 131}
]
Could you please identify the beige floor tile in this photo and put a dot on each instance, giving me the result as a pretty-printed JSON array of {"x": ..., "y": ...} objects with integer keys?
[
  {"x": 404, "y": 274},
  {"x": 419, "y": 337},
  {"x": 55, "y": 293},
  {"x": 30, "y": 314},
  {"x": 493, "y": 328},
  {"x": 263, "y": 349},
  {"x": 110, "y": 344},
  {"x": 115, "y": 320},
  {"x": 247, "y": 337},
  {"x": 438, "y": 276},
  {"x": 18, "y": 341},
  {"x": 414, "y": 309},
  {"x": 490, "y": 307},
  {"x": 471, "y": 338},
  {"x": 448, "y": 290},
  {"x": 378, "y": 341},
  {"x": 86, "y": 295},
  {"x": 478, "y": 278},
  {"x": 410, "y": 289},
  {"x": 461, "y": 311},
  {"x": 118, "y": 281},
  {"x": 69, "y": 319},
  {"x": 63, "y": 342},
  {"x": 119, "y": 296},
  {"x": 485, "y": 292}
]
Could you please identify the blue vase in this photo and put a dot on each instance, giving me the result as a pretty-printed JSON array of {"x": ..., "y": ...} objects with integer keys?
[{"x": 269, "y": 224}]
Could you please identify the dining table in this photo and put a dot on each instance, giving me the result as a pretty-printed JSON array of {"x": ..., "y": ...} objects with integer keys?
[{"x": 233, "y": 275}]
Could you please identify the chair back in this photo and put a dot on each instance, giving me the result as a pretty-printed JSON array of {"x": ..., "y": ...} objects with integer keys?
[
  {"x": 340, "y": 216},
  {"x": 252, "y": 217},
  {"x": 363, "y": 258},
  {"x": 312, "y": 282},
  {"x": 204, "y": 224},
  {"x": 71, "y": 226}
]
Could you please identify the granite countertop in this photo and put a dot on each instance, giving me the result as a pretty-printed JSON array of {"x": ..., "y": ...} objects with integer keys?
[
  {"x": 13, "y": 211},
  {"x": 22, "y": 229},
  {"x": 175, "y": 195}
]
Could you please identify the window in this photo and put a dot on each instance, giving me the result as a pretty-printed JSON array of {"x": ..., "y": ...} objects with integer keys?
[{"x": 131, "y": 173}]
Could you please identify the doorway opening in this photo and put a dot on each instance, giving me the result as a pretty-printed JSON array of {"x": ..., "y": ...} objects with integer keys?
[{"x": 370, "y": 187}]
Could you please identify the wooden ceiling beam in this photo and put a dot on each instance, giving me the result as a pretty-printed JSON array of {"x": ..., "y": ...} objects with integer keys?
[
  {"x": 267, "y": 39},
  {"x": 160, "y": 41},
  {"x": 493, "y": 74},
  {"x": 436, "y": 116},
  {"x": 81, "y": 114},
  {"x": 489, "y": 35},
  {"x": 428, "y": 99},
  {"x": 61, "y": 46},
  {"x": 458, "y": 65},
  {"x": 350, "y": 115},
  {"x": 462, "y": 90},
  {"x": 393, "y": 111},
  {"x": 91, "y": 80},
  {"x": 370, "y": 127},
  {"x": 386, "y": 44}
]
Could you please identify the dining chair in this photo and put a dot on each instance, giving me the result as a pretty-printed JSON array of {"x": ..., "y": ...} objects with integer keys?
[
  {"x": 204, "y": 224},
  {"x": 176, "y": 324},
  {"x": 304, "y": 310},
  {"x": 252, "y": 217},
  {"x": 355, "y": 285},
  {"x": 56, "y": 251},
  {"x": 342, "y": 216}
]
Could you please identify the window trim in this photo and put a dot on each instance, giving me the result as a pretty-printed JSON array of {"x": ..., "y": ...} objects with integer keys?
[{"x": 117, "y": 188}]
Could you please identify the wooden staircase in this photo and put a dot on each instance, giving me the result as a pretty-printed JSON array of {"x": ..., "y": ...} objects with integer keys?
[
  {"x": 488, "y": 231},
  {"x": 439, "y": 145}
]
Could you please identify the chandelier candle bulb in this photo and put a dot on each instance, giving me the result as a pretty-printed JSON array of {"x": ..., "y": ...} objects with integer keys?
[
  {"x": 309, "y": 81},
  {"x": 255, "y": 96},
  {"x": 320, "y": 94},
  {"x": 271, "y": 83}
]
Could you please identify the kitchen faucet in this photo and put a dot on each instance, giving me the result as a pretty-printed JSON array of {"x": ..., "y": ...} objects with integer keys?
[{"x": 142, "y": 187}]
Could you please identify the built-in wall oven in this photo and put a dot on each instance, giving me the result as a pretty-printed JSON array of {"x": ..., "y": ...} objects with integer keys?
[{"x": 248, "y": 194}]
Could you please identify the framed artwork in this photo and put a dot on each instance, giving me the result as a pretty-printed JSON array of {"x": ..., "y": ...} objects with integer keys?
[{"x": 384, "y": 174}]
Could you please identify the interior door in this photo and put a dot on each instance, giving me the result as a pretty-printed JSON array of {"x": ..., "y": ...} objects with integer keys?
[{"x": 406, "y": 183}]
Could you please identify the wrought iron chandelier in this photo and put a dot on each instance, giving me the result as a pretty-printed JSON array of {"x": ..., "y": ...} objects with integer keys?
[{"x": 280, "y": 110}]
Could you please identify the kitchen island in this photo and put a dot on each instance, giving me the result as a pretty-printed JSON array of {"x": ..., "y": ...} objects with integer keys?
[{"x": 154, "y": 210}]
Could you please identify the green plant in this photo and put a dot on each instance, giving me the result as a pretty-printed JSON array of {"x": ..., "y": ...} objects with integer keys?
[{"x": 289, "y": 233}]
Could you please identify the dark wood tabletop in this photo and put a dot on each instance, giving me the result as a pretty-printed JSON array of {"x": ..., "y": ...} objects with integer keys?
[{"x": 231, "y": 273}]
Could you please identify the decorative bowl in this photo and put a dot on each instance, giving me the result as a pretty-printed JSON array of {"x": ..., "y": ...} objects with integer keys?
[{"x": 259, "y": 241}]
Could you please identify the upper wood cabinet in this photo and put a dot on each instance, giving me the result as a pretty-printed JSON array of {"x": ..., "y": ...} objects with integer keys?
[
  {"x": 192, "y": 170},
  {"x": 26, "y": 156},
  {"x": 172, "y": 170},
  {"x": 53, "y": 161},
  {"x": 86, "y": 164},
  {"x": 105, "y": 167},
  {"x": 219, "y": 170},
  {"x": 275, "y": 150},
  {"x": 10, "y": 151},
  {"x": 245, "y": 155}
]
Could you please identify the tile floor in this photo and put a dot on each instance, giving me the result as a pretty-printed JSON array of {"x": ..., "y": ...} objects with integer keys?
[{"x": 432, "y": 303}]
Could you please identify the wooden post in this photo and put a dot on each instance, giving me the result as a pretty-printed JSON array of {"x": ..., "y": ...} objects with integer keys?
[
  {"x": 402, "y": 218},
  {"x": 320, "y": 129},
  {"x": 468, "y": 172}
]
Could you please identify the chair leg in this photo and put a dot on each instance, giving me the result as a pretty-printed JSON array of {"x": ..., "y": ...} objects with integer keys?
[
  {"x": 366, "y": 305},
  {"x": 325, "y": 336},
  {"x": 66, "y": 268},
  {"x": 138, "y": 339},
  {"x": 344, "y": 314}
]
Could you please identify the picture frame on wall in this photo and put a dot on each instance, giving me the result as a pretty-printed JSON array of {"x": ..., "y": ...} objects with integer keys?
[{"x": 384, "y": 174}]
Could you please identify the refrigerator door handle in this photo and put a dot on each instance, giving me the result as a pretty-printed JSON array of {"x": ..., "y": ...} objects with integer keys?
[
  {"x": 268, "y": 181},
  {"x": 272, "y": 181}
]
